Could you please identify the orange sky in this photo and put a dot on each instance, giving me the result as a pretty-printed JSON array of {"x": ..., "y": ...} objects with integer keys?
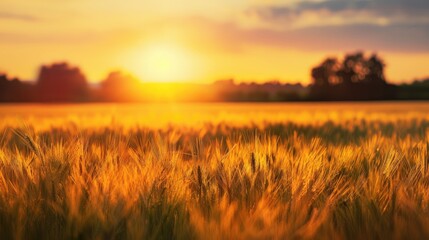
[{"x": 160, "y": 40}]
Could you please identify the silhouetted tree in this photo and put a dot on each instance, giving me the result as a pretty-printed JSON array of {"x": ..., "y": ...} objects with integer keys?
[
  {"x": 325, "y": 74},
  {"x": 356, "y": 78},
  {"x": 352, "y": 69},
  {"x": 119, "y": 86},
  {"x": 375, "y": 70},
  {"x": 60, "y": 82},
  {"x": 14, "y": 90}
]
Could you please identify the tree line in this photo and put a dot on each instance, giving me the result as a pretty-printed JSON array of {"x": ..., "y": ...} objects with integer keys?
[
  {"x": 61, "y": 82},
  {"x": 356, "y": 77}
]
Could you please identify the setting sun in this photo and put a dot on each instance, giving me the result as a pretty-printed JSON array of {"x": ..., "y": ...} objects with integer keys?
[{"x": 162, "y": 62}]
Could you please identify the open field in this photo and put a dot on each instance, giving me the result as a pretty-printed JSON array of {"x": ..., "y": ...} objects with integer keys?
[{"x": 215, "y": 171}]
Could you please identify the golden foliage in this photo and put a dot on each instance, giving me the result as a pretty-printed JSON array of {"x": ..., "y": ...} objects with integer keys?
[{"x": 351, "y": 178}]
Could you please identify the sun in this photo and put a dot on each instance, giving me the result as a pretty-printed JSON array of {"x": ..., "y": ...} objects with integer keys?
[{"x": 162, "y": 62}]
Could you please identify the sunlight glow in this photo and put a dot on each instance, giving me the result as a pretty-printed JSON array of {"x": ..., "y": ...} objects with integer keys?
[{"x": 162, "y": 62}]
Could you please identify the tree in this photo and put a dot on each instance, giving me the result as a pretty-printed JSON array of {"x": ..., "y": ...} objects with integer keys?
[
  {"x": 356, "y": 78},
  {"x": 375, "y": 67},
  {"x": 14, "y": 90},
  {"x": 356, "y": 69},
  {"x": 119, "y": 86},
  {"x": 61, "y": 82},
  {"x": 325, "y": 73}
]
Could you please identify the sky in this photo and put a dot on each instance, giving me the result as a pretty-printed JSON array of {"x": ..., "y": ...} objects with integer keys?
[{"x": 204, "y": 41}]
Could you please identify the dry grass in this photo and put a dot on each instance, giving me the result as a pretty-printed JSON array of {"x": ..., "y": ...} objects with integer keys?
[{"x": 344, "y": 179}]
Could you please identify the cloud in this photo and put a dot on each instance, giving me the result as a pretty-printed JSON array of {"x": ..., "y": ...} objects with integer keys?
[
  {"x": 336, "y": 12},
  {"x": 16, "y": 16},
  {"x": 408, "y": 7},
  {"x": 338, "y": 25},
  {"x": 367, "y": 37},
  {"x": 398, "y": 38}
]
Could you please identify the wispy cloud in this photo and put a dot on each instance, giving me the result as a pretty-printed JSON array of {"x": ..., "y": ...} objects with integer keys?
[
  {"x": 17, "y": 16},
  {"x": 391, "y": 38},
  {"x": 342, "y": 12},
  {"x": 379, "y": 7}
]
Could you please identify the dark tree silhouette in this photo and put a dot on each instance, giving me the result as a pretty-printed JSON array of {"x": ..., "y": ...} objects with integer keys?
[
  {"x": 375, "y": 67},
  {"x": 325, "y": 74},
  {"x": 352, "y": 70},
  {"x": 60, "y": 82},
  {"x": 356, "y": 78},
  {"x": 14, "y": 90}
]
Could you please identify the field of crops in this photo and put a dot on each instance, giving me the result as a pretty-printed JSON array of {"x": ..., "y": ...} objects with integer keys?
[{"x": 215, "y": 171}]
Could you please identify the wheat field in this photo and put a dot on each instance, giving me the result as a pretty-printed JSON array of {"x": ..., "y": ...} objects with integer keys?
[{"x": 303, "y": 171}]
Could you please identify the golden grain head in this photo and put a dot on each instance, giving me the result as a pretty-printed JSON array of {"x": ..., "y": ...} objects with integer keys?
[{"x": 290, "y": 179}]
